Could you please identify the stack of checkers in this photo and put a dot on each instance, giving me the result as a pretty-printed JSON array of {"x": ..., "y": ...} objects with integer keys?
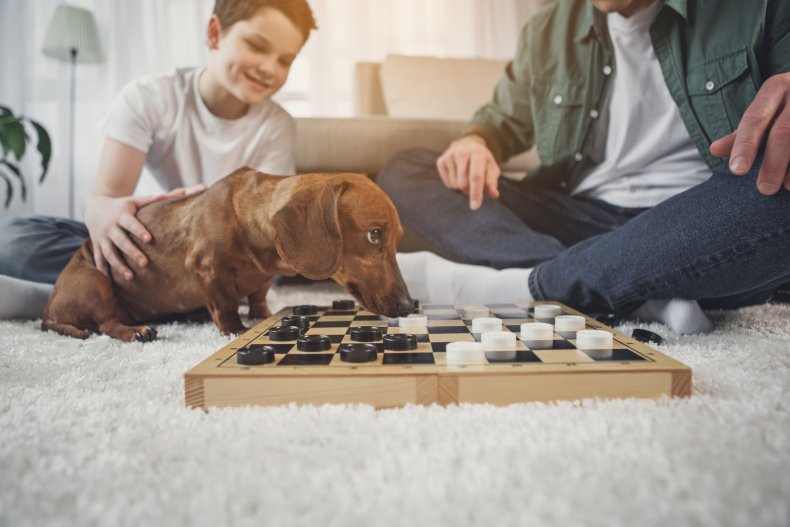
[{"x": 437, "y": 334}]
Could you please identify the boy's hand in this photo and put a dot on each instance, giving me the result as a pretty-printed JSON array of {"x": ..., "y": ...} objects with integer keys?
[
  {"x": 769, "y": 112},
  {"x": 469, "y": 166},
  {"x": 109, "y": 220}
]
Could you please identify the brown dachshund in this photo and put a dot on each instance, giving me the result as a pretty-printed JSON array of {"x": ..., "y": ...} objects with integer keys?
[{"x": 213, "y": 248}]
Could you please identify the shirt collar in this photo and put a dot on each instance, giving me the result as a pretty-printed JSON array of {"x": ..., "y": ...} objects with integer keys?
[{"x": 593, "y": 21}]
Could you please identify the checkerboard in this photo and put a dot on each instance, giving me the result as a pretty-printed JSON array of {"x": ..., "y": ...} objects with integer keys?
[{"x": 555, "y": 369}]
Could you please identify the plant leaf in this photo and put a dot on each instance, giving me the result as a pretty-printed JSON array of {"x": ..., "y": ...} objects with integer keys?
[
  {"x": 5, "y": 110},
  {"x": 44, "y": 148},
  {"x": 14, "y": 136},
  {"x": 18, "y": 173},
  {"x": 9, "y": 189}
]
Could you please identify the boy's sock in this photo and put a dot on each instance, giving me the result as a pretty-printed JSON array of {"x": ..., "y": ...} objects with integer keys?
[
  {"x": 684, "y": 316},
  {"x": 22, "y": 298},
  {"x": 431, "y": 278}
]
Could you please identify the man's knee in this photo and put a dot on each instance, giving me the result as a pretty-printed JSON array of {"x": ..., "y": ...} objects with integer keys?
[{"x": 405, "y": 165}]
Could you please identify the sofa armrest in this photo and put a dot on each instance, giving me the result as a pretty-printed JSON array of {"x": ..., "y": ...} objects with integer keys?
[{"x": 365, "y": 144}]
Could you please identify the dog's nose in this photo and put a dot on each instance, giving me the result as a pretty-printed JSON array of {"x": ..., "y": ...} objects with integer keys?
[{"x": 407, "y": 306}]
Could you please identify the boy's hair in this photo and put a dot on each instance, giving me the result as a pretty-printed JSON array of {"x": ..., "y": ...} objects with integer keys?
[{"x": 297, "y": 11}]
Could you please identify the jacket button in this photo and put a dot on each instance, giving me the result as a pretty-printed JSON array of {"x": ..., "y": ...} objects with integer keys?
[
  {"x": 709, "y": 85},
  {"x": 558, "y": 99},
  {"x": 594, "y": 114},
  {"x": 607, "y": 70},
  {"x": 578, "y": 156}
]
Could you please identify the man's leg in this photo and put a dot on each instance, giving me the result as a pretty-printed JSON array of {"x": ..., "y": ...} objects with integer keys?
[
  {"x": 33, "y": 252},
  {"x": 526, "y": 226},
  {"x": 719, "y": 240}
]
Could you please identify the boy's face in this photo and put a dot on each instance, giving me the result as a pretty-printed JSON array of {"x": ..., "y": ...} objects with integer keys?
[{"x": 254, "y": 56}]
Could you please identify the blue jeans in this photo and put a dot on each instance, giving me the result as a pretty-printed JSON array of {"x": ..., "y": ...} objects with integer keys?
[
  {"x": 37, "y": 248},
  {"x": 721, "y": 242}
]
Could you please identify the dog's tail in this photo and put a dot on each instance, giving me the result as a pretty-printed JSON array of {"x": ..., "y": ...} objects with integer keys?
[{"x": 64, "y": 329}]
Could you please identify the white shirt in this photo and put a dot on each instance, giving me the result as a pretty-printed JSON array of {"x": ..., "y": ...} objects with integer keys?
[
  {"x": 165, "y": 117},
  {"x": 646, "y": 154}
]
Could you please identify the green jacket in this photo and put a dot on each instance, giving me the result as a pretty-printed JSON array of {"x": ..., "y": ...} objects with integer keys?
[{"x": 714, "y": 54}]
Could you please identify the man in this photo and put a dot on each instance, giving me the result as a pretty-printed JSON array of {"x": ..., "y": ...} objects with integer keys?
[{"x": 633, "y": 205}]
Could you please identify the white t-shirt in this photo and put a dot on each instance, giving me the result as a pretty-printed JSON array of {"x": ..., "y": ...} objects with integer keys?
[
  {"x": 645, "y": 152},
  {"x": 165, "y": 117}
]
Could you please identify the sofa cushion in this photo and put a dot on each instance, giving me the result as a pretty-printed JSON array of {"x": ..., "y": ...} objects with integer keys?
[{"x": 433, "y": 88}]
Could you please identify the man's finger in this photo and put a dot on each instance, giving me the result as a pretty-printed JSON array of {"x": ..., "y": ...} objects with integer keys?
[
  {"x": 492, "y": 179},
  {"x": 776, "y": 156},
  {"x": 753, "y": 125},
  {"x": 444, "y": 172},
  {"x": 477, "y": 179},
  {"x": 723, "y": 146},
  {"x": 461, "y": 171}
]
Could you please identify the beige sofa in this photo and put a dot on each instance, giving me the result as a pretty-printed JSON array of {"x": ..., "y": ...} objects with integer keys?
[{"x": 400, "y": 103}]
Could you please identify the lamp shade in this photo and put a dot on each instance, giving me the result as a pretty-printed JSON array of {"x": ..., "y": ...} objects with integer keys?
[{"x": 72, "y": 28}]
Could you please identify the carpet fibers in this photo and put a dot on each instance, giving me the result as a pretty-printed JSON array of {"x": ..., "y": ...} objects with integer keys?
[{"x": 96, "y": 433}]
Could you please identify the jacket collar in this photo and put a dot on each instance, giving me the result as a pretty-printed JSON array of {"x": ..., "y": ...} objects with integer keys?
[{"x": 594, "y": 21}]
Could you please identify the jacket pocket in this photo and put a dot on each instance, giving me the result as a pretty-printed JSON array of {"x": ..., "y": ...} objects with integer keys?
[
  {"x": 721, "y": 89},
  {"x": 559, "y": 115}
]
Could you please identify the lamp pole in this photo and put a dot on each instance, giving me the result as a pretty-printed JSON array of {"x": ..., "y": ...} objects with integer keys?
[{"x": 72, "y": 101}]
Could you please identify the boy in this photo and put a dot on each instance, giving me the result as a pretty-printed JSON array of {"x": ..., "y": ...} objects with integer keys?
[{"x": 189, "y": 128}]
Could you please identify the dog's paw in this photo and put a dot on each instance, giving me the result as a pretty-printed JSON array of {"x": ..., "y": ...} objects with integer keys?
[
  {"x": 233, "y": 331},
  {"x": 146, "y": 334},
  {"x": 257, "y": 312}
]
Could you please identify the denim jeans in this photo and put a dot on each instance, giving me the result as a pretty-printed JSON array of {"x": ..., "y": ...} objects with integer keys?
[
  {"x": 721, "y": 242},
  {"x": 37, "y": 248}
]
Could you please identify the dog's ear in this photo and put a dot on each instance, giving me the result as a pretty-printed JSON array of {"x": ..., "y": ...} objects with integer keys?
[{"x": 307, "y": 231}]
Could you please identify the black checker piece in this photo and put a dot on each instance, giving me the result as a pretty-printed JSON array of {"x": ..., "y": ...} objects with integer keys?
[
  {"x": 313, "y": 343},
  {"x": 344, "y": 305},
  {"x": 358, "y": 352},
  {"x": 284, "y": 333},
  {"x": 408, "y": 358},
  {"x": 305, "y": 310},
  {"x": 400, "y": 342},
  {"x": 299, "y": 321},
  {"x": 255, "y": 354},
  {"x": 365, "y": 333}
]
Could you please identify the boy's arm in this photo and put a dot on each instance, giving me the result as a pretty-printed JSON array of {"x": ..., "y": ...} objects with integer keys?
[{"x": 110, "y": 209}]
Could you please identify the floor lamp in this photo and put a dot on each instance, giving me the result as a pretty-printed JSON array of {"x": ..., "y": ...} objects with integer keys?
[{"x": 72, "y": 36}]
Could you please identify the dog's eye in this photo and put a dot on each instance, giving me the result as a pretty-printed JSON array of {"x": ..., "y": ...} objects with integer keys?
[{"x": 374, "y": 235}]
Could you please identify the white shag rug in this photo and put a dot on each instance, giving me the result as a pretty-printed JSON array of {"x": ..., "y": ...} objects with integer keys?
[{"x": 96, "y": 433}]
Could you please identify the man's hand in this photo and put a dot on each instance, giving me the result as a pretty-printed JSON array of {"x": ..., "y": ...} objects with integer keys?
[
  {"x": 768, "y": 113},
  {"x": 469, "y": 166}
]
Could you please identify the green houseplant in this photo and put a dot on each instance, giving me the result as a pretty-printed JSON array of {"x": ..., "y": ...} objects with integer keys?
[{"x": 14, "y": 140}]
